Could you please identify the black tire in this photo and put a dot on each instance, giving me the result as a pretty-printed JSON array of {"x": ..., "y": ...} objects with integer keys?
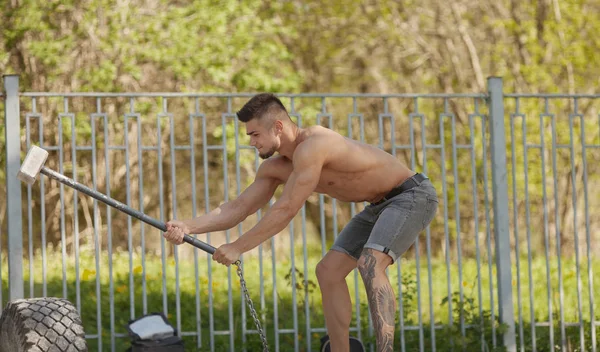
[
  {"x": 355, "y": 344},
  {"x": 41, "y": 325}
]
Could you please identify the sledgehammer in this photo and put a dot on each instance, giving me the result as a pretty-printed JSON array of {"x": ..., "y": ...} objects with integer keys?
[{"x": 33, "y": 165}]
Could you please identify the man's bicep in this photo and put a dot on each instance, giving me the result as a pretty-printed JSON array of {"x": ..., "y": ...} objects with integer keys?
[
  {"x": 308, "y": 162},
  {"x": 257, "y": 194},
  {"x": 300, "y": 186}
]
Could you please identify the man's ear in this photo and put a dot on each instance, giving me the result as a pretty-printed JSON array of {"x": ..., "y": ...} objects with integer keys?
[{"x": 278, "y": 126}]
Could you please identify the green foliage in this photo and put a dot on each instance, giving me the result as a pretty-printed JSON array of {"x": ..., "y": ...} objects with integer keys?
[
  {"x": 472, "y": 323},
  {"x": 465, "y": 311}
]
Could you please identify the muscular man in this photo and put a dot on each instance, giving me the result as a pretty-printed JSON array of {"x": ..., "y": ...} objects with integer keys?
[{"x": 317, "y": 159}]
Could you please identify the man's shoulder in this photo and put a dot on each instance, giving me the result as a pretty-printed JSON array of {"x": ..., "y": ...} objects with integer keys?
[
  {"x": 274, "y": 167},
  {"x": 275, "y": 162},
  {"x": 318, "y": 132},
  {"x": 321, "y": 140},
  {"x": 318, "y": 136}
]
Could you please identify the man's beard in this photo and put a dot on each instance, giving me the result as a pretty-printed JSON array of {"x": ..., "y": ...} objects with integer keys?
[{"x": 267, "y": 154}]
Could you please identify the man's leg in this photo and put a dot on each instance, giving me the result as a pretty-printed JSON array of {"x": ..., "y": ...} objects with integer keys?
[
  {"x": 399, "y": 222},
  {"x": 382, "y": 300},
  {"x": 337, "y": 308}
]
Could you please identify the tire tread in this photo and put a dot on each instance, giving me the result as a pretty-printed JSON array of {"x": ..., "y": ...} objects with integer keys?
[{"x": 41, "y": 324}]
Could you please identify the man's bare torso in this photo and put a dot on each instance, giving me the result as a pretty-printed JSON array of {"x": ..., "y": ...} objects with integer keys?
[{"x": 353, "y": 171}]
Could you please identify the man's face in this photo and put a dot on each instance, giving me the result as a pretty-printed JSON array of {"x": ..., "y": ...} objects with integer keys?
[{"x": 263, "y": 138}]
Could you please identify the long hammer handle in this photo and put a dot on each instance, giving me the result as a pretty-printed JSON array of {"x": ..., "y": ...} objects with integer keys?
[{"x": 122, "y": 207}]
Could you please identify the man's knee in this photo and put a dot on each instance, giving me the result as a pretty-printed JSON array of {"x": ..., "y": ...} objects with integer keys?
[
  {"x": 334, "y": 267},
  {"x": 322, "y": 269},
  {"x": 372, "y": 261}
]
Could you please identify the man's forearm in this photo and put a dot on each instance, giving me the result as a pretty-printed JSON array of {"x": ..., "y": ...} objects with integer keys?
[
  {"x": 274, "y": 221},
  {"x": 222, "y": 218}
]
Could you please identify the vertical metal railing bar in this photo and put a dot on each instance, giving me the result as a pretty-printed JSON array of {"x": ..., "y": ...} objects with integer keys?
[
  {"x": 228, "y": 232},
  {"x": 428, "y": 229},
  {"x": 411, "y": 136},
  {"x": 275, "y": 293},
  {"x": 294, "y": 114},
  {"x": 413, "y": 163},
  {"x": 173, "y": 162},
  {"x": 75, "y": 213},
  {"x": 193, "y": 117},
  {"x": 356, "y": 273},
  {"x": 528, "y": 227},
  {"x": 380, "y": 145},
  {"x": 572, "y": 116},
  {"x": 334, "y": 207},
  {"x": 225, "y": 173},
  {"x": 109, "y": 233},
  {"x": 430, "y": 280},
  {"x": 76, "y": 241},
  {"x": 129, "y": 220},
  {"x": 263, "y": 303},
  {"x": 42, "y": 205},
  {"x": 323, "y": 225},
  {"x": 584, "y": 147},
  {"x": 482, "y": 118},
  {"x": 29, "y": 216},
  {"x": 386, "y": 115},
  {"x": 488, "y": 234},
  {"x": 159, "y": 146},
  {"x": 446, "y": 227},
  {"x": 501, "y": 215},
  {"x": 324, "y": 114},
  {"x": 557, "y": 228},
  {"x": 513, "y": 142},
  {"x": 97, "y": 245},
  {"x": 293, "y": 284},
  {"x": 239, "y": 226},
  {"x": 356, "y": 114},
  {"x": 211, "y": 322},
  {"x": 140, "y": 163},
  {"x": 545, "y": 219},
  {"x": 14, "y": 213},
  {"x": 240, "y": 229},
  {"x": 305, "y": 282},
  {"x": 476, "y": 216},
  {"x": 62, "y": 201},
  {"x": 457, "y": 212}
]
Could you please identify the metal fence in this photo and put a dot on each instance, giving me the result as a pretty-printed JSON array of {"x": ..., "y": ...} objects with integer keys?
[{"x": 176, "y": 155}]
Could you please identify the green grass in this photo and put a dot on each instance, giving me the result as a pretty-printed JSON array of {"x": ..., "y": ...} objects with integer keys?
[{"x": 413, "y": 294}]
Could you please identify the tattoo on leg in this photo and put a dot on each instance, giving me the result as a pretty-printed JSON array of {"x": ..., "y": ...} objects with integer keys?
[
  {"x": 381, "y": 301},
  {"x": 384, "y": 301},
  {"x": 368, "y": 269}
]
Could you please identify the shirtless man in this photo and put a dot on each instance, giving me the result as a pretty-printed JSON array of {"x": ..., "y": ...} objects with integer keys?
[{"x": 317, "y": 159}]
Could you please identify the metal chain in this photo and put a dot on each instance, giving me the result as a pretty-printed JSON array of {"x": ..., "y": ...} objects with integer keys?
[{"x": 251, "y": 306}]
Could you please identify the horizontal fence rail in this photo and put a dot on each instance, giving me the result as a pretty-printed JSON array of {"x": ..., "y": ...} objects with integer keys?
[{"x": 179, "y": 155}]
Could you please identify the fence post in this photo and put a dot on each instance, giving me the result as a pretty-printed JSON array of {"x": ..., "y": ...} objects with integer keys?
[
  {"x": 501, "y": 215},
  {"x": 12, "y": 125}
]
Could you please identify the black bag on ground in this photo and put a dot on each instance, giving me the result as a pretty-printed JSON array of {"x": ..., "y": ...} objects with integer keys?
[
  {"x": 355, "y": 344},
  {"x": 153, "y": 333}
]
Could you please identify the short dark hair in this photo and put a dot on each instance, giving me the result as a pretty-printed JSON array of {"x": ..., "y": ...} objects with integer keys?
[{"x": 258, "y": 105}]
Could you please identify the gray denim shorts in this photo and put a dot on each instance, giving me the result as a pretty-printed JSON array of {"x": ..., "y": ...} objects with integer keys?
[{"x": 391, "y": 226}]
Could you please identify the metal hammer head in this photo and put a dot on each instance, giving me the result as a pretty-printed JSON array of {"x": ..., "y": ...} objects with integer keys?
[{"x": 33, "y": 163}]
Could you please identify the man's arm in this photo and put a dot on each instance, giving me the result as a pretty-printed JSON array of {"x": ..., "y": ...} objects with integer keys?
[
  {"x": 308, "y": 161},
  {"x": 230, "y": 214}
]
